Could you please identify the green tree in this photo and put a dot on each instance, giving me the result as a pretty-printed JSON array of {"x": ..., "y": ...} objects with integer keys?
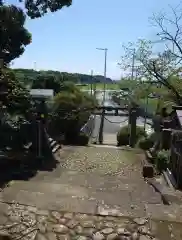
[
  {"x": 15, "y": 110},
  {"x": 37, "y": 8},
  {"x": 70, "y": 111},
  {"x": 164, "y": 66},
  {"x": 14, "y": 36},
  {"x": 17, "y": 100},
  {"x": 47, "y": 82}
]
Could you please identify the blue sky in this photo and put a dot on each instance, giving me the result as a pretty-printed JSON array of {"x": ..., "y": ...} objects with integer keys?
[{"x": 67, "y": 40}]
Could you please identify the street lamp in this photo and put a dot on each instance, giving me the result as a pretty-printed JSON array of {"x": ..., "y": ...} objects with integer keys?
[
  {"x": 104, "y": 96},
  {"x": 35, "y": 66},
  {"x": 105, "y": 71}
]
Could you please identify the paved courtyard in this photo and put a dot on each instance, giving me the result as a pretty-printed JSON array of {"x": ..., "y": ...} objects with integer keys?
[{"x": 93, "y": 193}]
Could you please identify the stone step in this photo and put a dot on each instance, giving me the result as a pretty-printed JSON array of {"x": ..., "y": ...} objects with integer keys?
[
  {"x": 49, "y": 201},
  {"x": 158, "y": 212},
  {"x": 104, "y": 183},
  {"x": 57, "y": 190},
  {"x": 65, "y": 203},
  {"x": 79, "y": 202},
  {"x": 63, "y": 197},
  {"x": 96, "y": 181},
  {"x": 66, "y": 198},
  {"x": 172, "y": 213}
]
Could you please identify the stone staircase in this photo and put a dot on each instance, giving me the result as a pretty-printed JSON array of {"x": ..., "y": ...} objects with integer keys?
[
  {"x": 65, "y": 196},
  {"x": 85, "y": 193},
  {"x": 86, "y": 188}
]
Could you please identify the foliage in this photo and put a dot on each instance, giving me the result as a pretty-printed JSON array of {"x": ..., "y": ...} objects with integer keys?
[
  {"x": 16, "y": 109},
  {"x": 146, "y": 143},
  {"x": 14, "y": 36},
  {"x": 71, "y": 110},
  {"x": 123, "y": 135},
  {"x": 17, "y": 99},
  {"x": 14, "y": 132},
  {"x": 147, "y": 95},
  {"x": 100, "y": 86},
  {"x": 161, "y": 67},
  {"x": 36, "y": 8},
  {"x": 47, "y": 82},
  {"x": 83, "y": 139},
  {"x": 30, "y": 76},
  {"x": 162, "y": 160}
]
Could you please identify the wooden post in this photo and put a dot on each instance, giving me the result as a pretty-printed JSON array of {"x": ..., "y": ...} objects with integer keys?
[
  {"x": 116, "y": 112},
  {"x": 133, "y": 120},
  {"x": 1, "y": 103},
  {"x": 129, "y": 116},
  {"x": 101, "y": 126},
  {"x": 166, "y": 138},
  {"x": 1, "y": 63}
]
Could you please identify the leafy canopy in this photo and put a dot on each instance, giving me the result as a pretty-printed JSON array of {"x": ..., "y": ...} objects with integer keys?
[
  {"x": 164, "y": 65},
  {"x": 14, "y": 36},
  {"x": 37, "y": 8},
  {"x": 17, "y": 100},
  {"x": 71, "y": 109}
]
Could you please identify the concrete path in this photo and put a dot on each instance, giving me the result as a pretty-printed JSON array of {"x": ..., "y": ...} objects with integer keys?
[{"x": 94, "y": 181}]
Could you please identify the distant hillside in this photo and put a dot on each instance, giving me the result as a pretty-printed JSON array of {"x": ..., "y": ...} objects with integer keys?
[{"x": 28, "y": 75}]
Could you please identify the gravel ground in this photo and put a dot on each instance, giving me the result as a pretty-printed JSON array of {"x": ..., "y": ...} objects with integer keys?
[{"x": 101, "y": 160}]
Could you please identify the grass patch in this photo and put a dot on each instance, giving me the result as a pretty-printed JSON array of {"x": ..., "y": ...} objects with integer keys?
[
  {"x": 150, "y": 105},
  {"x": 100, "y": 86},
  {"x": 153, "y": 103}
]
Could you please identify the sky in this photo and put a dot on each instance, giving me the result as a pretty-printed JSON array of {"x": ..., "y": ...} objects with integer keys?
[{"x": 67, "y": 40}]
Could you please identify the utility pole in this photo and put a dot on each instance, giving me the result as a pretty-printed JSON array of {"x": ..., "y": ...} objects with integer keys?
[
  {"x": 35, "y": 66},
  {"x": 146, "y": 109},
  {"x": 133, "y": 65},
  {"x": 91, "y": 85},
  {"x": 104, "y": 96},
  {"x": 132, "y": 78}
]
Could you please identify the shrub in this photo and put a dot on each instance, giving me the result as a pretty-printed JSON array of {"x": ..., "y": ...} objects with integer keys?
[
  {"x": 80, "y": 139},
  {"x": 162, "y": 160},
  {"x": 146, "y": 143},
  {"x": 83, "y": 139},
  {"x": 123, "y": 135},
  {"x": 18, "y": 100},
  {"x": 65, "y": 118},
  {"x": 14, "y": 132}
]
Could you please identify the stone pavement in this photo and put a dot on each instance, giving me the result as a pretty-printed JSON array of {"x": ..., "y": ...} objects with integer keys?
[
  {"x": 94, "y": 193},
  {"x": 28, "y": 223}
]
